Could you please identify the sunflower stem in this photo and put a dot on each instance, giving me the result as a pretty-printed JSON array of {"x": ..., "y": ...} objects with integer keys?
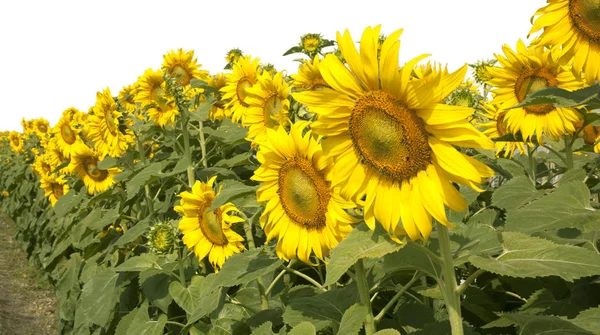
[
  {"x": 569, "y": 152},
  {"x": 149, "y": 201},
  {"x": 392, "y": 302},
  {"x": 363, "y": 291},
  {"x": 448, "y": 284},
  {"x": 202, "y": 143},
  {"x": 532, "y": 164},
  {"x": 180, "y": 265},
  {"x": 264, "y": 302},
  {"x": 305, "y": 277}
]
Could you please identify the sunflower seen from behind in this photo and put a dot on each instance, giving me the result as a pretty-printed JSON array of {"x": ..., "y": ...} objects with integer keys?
[
  {"x": 523, "y": 72},
  {"x": 392, "y": 137},
  {"x": 54, "y": 187},
  {"x": 494, "y": 127},
  {"x": 209, "y": 233},
  {"x": 244, "y": 76},
  {"x": 84, "y": 163},
  {"x": 309, "y": 77},
  {"x": 302, "y": 208}
]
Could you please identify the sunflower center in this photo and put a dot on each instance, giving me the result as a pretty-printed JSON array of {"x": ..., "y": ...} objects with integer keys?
[
  {"x": 42, "y": 128},
  {"x": 67, "y": 133},
  {"x": 500, "y": 124},
  {"x": 531, "y": 81},
  {"x": 304, "y": 193},
  {"x": 16, "y": 141},
  {"x": 157, "y": 96},
  {"x": 273, "y": 105},
  {"x": 585, "y": 15},
  {"x": 389, "y": 138},
  {"x": 91, "y": 169},
  {"x": 181, "y": 74},
  {"x": 310, "y": 44},
  {"x": 210, "y": 224},
  {"x": 57, "y": 190},
  {"x": 241, "y": 91}
]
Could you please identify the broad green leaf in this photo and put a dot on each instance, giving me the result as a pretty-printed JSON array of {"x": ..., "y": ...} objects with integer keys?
[
  {"x": 352, "y": 320},
  {"x": 526, "y": 256},
  {"x": 227, "y": 133},
  {"x": 148, "y": 173},
  {"x": 107, "y": 218},
  {"x": 99, "y": 296},
  {"x": 572, "y": 175},
  {"x": 189, "y": 297},
  {"x": 155, "y": 286},
  {"x": 264, "y": 329},
  {"x": 538, "y": 302},
  {"x": 568, "y": 206},
  {"x": 197, "y": 83},
  {"x": 538, "y": 324},
  {"x": 245, "y": 267},
  {"x": 480, "y": 231},
  {"x": 148, "y": 327},
  {"x": 515, "y": 193},
  {"x": 201, "y": 113},
  {"x": 139, "y": 263},
  {"x": 561, "y": 98},
  {"x": 136, "y": 314},
  {"x": 236, "y": 160},
  {"x": 515, "y": 169},
  {"x": 388, "y": 331},
  {"x": 67, "y": 202},
  {"x": 360, "y": 243},
  {"x": 412, "y": 257},
  {"x": 231, "y": 190},
  {"x": 211, "y": 299},
  {"x": 133, "y": 233},
  {"x": 303, "y": 328},
  {"x": 588, "y": 319},
  {"x": 107, "y": 163},
  {"x": 293, "y": 50},
  {"x": 68, "y": 288}
]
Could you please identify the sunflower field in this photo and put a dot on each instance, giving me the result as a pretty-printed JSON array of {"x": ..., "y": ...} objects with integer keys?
[{"x": 363, "y": 194}]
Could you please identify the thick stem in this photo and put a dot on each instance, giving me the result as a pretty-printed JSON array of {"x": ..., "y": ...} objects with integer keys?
[
  {"x": 532, "y": 165},
  {"x": 180, "y": 265},
  {"x": 569, "y": 152},
  {"x": 448, "y": 285},
  {"x": 149, "y": 201},
  {"x": 363, "y": 291},
  {"x": 188, "y": 154},
  {"x": 264, "y": 302},
  {"x": 202, "y": 144}
]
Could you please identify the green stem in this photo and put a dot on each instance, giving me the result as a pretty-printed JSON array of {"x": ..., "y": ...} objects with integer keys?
[
  {"x": 188, "y": 154},
  {"x": 180, "y": 265},
  {"x": 569, "y": 152},
  {"x": 556, "y": 153},
  {"x": 279, "y": 276},
  {"x": 448, "y": 285},
  {"x": 264, "y": 302},
  {"x": 181, "y": 325},
  {"x": 307, "y": 278},
  {"x": 392, "y": 302},
  {"x": 532, "y": 165},
  {"x": 149, "y": 201},
  {"x": 461, "y": 289},
  {"x": 363, "y": 291},
  {"x": 202, "y": 144}
]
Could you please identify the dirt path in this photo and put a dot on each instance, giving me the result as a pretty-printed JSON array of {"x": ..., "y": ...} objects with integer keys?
[{"x": 27, "y": 301}]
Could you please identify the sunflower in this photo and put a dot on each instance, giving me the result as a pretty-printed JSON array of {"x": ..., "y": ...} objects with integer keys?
[
  {"x": 303, "y": 210},
  {"x": 54, "y": 187},
  {"x": 218, "y": 111},
  {"x": 495, "y": 128},
  {"x": 244, "y": 76},
  {"x": 268, "y": 105},
  {"x": 84, "y": 162},
  {"x": 41, "y": 166},
  {"x": 105, "y": 128},
  {"x": 183, "y": 66},
  {"x": 590, "y": 134},
  {"x": 152, "y": 94},
  {"x": 54, "y": 156},
  {"x": 16, "y": 142},
  {"x": 522, "y": 73},
  {"x": 309, "y": 77},
  {"x": 393, "y": 138},
  {"x": 571, "y": 28},
  {"x": 66, "y": 135},
  {"x": 42, "y": 127},
  {"x": 126, "y": 98},
  {"x": 208, "y": 232}
]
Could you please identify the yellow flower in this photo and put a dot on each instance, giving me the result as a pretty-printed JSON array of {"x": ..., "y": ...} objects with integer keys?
[
  {"x": 106, "y": 128},
  {"x": 590, "y": 134},
  {"x": 183, "y": 66},
  {"x": 54, "y": 187},
  {"x": 244, "y": 76},
  {"x": 66, "y": 134},
  {"x": 268, "y": 105},
  {"x": 392, "y": 137},
  {"x": 5, "y": 193},
  {"x": 217, "y": 111},
  {"x": 522, "y": 73},
  {"x": 42, "y": 127},
  {"x": 208, "y": 233},
  {"x": 311, "y": 43},
  {"x": 54, "y": 156},
  {"x": 16, "y": 142},
  {"x": 152, "y": 94},
  {"x": 495, "y": 128},
  {"x": 84, "y": 162},
  {"x": 126, "y": 98},
  {"x": 233, "y": 55},
  {"x": 571, "y": 28},
  {"x": 303, "y": 209},
  {"x": 309, "y": 77},
  {"x": 41, "y": 166}
]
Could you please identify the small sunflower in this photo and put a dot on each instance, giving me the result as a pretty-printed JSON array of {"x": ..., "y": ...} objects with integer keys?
[
  {"x": 392, "y": 137},
  {"x": 54, "y": 187},
  {"x": 233, "y": 55},
  {"x": 54, "y": 156},
  {"x": 217, "y": 111},
  {"x": 41, "y": 166},
  {"x": 208, "y": 233},
  {"x": 571, "y": 28},
  {"x": 105, "y": 127},
  {"x": 183, "y": 66},
  {"x": 268, "y": 105},
  {"x": 244, "y": 76},
  {"x": 5, "y": 193},
  {"x": 590, "y": 134},
  {"x": 126, "y": 99},
  {"x": 309, "y": 77},
  {"x": 42, "y": 127},
  {"x": 16, "y": 141},
  {"x": 152, "y": 94},
  {"x": 480, "y": 70},
  {"x": 66, "y": 135},
  {"x": 522, "y": 73},
  {"x": 303, "y": 210},
  {"x": 84, "y": 163},
  {"x": 495, "y": 128}
]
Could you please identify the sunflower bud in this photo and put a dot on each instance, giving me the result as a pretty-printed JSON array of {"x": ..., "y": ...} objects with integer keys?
[
  {"x": 162, "y": 237},
  {"x": 480, "y": 71}
]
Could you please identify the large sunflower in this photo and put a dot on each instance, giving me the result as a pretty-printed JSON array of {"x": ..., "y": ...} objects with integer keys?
[
  {"x": 66, "y": 134},
  {"x": 572, "y": 28},
  {"x": 183, "y": 66},
  {"x": 54, "y": 187},
  {"x": 152, "y": 94},
  {"x": 309, "y": 77},
  {"x": 303, "y": 210},
  {"x": 494, "y": 128},
  {"x": 208, "y": 232},
  {"x": 84, "y": 162},
  {"x": 16, "y": 141},
  {"x": 244, "y": 76},
  {"x": 522, "y": 73},
  {"x": 392, "y": 138},
  {"x": 268, "y": 105},
  {"x": 106, "y": 127}
]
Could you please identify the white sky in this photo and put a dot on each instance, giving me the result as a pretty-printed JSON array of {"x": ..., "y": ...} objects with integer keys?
[{"x": 57, "y": 54}]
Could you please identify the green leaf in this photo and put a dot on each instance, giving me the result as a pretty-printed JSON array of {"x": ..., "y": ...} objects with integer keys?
[
  {"x": 388, "y": 331},
  {"x": 411, "y": 257},
  {"x": 572, "y": 175},
  {"x": 148, "y": 327},
  {"x": 483, "y": 237},
  {"x": 123, "y": 326},
  {"x": 201, "y": 113},
  {"x": 188, "y": 298},
  {"x": 245, "y": 267},
  {"x": 303, "y": 328},
  {"x": 147, "y": 174},
  {"x": 538, "y": 324},
  {"x": 360, "y": 243},
  {"x": 68, "y": 288},
  {"x": 67, "y": 202},
  {"x": 99, "y": 297},
  {"x": 107, "y": 163},
  {"x": 197, "y": 83},
  {"x": 155, "y": 286},
  {"x": 231, "y": 190},
  {"x": 133, "y": 233},
  {"x": 588, "y": 319},
  {"x": 515, "y": 169},
  {"x": 106, "y": 219},
  {"x": 236, "y": 160},
  {"x": 568, "y": 206},
  {"x": 561, "y": 98},
  {"x": 228, "y": 133},
  {"x": 515, "y": 193},
  {"x": 353, "y": 319},
  {"x": 293, "y": 50},
  {"x": 264, "y": 329},
  {"x": 139, "y": 263},
  {"x": 526, "y": 256}
]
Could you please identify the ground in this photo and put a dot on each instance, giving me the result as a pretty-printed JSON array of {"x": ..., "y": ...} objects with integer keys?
[{"x": 27, "y": 301}]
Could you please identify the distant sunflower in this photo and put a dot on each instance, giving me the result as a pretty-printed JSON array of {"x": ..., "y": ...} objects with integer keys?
[
  {"x": 217, "y": 111},
  {"x": 84, "y": 162},
  {"x": 522, "y": 73},
  {"x": 104, "y": 128},
  {"x": 309, "y": 77},
  {"x": 42, "y": 127},
  {"x": 244, "y": 76},
  {"x": 54, "y": 187},
  {"x": 209, "y": 233},
  {"x": 66, "y": 135},
  {"x": 303, "y": 210},
  {"x": 126, "y": 98},
  {"x": 392, "y": 137},
  {"x": 16, "y": 142},
  {"x": 268, "y": 105},
  {"x": 152, "y": 94},
  {"x": 183, "y": 66},
  {"x": 495, "y": 128},
  {"x": 41, "y": 166},
  {"x": 572, "y": 28}
]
